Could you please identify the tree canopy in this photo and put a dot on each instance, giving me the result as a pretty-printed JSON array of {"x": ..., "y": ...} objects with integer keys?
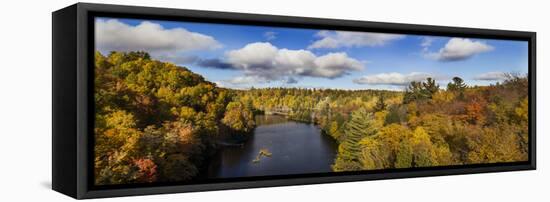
[{"x": 157, "y": 122}]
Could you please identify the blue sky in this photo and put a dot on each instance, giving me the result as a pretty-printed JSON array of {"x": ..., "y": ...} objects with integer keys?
[{"x": 237, "y": 56}]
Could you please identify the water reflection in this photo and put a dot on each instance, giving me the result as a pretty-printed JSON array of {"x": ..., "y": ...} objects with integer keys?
[{"x": 296, "y": 148}]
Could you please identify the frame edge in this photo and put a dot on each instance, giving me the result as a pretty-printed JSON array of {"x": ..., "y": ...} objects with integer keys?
[
  {"x": 83, "y": 190},
  {"x": 64, "y": 145}
]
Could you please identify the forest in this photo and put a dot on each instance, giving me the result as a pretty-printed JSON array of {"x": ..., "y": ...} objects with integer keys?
[{"x": 158, "y": 122}]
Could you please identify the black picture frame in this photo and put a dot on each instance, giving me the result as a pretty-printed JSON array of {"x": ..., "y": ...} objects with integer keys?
[{"x": 73, "y": 106}]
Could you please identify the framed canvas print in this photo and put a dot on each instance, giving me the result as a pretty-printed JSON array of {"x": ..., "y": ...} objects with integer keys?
[{"x": 154, "y": 100}]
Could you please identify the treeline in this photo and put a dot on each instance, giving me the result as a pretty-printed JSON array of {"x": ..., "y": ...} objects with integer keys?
[
  {"x": 156, "y": 121},
  {"x": 314, "y": 105},
  {"x": 421, "y": 127}
]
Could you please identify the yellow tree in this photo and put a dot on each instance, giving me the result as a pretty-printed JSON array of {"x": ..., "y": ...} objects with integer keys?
[{"x": 238, "y": 117}]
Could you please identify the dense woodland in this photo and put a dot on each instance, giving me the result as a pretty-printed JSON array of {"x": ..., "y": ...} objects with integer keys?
[{"x": 158, "y": 122}]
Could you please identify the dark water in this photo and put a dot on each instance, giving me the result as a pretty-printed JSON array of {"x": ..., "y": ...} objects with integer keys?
[{"x": 296, "y": 148}]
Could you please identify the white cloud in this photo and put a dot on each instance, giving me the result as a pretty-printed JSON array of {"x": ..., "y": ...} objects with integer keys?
[
  {"x": 394, "y": 78},
  {"x": 254, "y": 55},
  {"x": 219, "y": 84},
  {"x": 263, "y": 61},
  {"x": 338, "y": 39},
  {"x": 270, "y": 35},
  {"x": 247, "y": 79},
  {"x": 491, "y": 76},
  {"x": 113, "y": 35},
  {"x": 426, "y": 43},
  {"x": 458, "y": 49}
]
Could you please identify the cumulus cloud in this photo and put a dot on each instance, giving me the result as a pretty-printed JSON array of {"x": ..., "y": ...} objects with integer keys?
[
  {"x": 338, "y": 39},
  {"x": 458, "y": 49},
  {"x": 114, "y": 35},
  {"x": 270, "y": 35},
  {"x": 491, "y": 76},
  {"x": 394, "y": 78},
  {"x": 247, "y": 79},
  {"x": 263, "y": 61}
]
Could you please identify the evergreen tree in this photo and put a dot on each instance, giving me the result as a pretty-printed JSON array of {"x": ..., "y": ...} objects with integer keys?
[
  {"x": 430, "y": 87},
  {"x": 361, "y": 125},
  {"x": 413, "y": 92},
  {"x": 420, "y": 90},
  {"x": 457, "y": 85},
  {"x": 380, "y": 104}
]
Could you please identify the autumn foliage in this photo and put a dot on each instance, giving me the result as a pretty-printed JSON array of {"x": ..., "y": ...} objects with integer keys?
[{"x": 158, "y": 122}]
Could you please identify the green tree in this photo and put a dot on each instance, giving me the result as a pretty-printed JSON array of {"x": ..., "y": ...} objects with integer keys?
[
  {"x": 430, "y": 87},
  {"x": 457, "y": 85},
  {"x": 413, "y": 92},
  {"x": 380, "y": 104},
  {"x": 420, "y": 90},
  {"x": 404, "y": 157},
  {"x": 360, "y": 125}
]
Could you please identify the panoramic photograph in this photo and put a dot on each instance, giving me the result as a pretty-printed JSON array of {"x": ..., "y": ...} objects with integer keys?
[{"x": 192, "y": 102}]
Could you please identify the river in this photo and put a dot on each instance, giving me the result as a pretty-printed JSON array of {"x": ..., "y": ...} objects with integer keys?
[{"x": 292, "y": 148}]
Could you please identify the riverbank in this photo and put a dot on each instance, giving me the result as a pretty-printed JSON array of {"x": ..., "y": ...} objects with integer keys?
[{"x": 295, "y": 148}]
